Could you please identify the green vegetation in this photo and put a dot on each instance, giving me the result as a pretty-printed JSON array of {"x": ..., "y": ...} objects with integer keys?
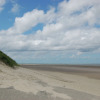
[{"x": 7, "y": 60}]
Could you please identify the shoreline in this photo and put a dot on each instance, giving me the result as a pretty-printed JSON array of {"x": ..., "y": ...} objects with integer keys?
[{"x": 70, "y": 65}]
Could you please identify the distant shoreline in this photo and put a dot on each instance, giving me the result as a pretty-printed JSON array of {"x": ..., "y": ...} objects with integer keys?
[{"x": 70, "y": 65}]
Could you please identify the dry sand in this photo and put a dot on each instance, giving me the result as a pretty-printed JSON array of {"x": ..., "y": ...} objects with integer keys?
[{"x": 42, "y": 85}]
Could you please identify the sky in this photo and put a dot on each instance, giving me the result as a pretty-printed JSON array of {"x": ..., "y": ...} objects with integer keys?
[{"x": 51, "y": 31}]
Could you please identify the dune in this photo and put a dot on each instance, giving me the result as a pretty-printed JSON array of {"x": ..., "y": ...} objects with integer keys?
[{"x": 5, "y": 59}]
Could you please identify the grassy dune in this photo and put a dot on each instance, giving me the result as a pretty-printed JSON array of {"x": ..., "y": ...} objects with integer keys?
[{"x": 7, "y": 60}]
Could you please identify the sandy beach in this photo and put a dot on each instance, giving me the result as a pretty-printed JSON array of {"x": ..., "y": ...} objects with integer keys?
[{"x": 42, "y": 82}]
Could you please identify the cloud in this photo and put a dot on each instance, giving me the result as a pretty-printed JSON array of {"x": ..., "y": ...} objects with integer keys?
[
  {"x": 2, "y": 3},
  {"x": 70, "y": 26},
  {"x": 15, "y": 8}
]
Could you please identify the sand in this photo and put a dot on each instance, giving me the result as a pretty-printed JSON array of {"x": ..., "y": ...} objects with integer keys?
[
  {"x": 42, "y": 85},
  {"x": 92, "y": 71}
]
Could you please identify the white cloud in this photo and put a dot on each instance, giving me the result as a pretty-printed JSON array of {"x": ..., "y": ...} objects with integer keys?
[
  {"x": 15, "y": 8},
  {"x": 71, "y": 27},
  {"x": 2, "y": 2}
]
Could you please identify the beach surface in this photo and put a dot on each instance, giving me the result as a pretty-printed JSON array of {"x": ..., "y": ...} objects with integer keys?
[{"x": 50, "y": 82}]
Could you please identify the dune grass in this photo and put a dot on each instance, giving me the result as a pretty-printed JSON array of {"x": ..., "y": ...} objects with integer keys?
[{"x": 7, "y": 60}]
